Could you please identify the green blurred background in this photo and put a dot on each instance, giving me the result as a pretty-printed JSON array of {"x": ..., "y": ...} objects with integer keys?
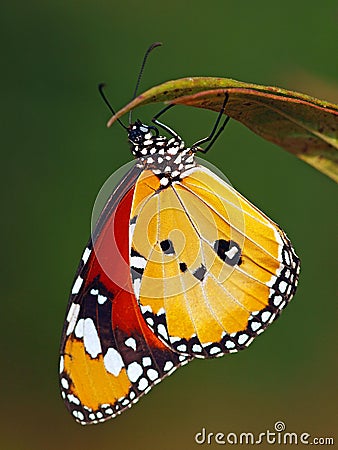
[{"x": 56, "y": 154}]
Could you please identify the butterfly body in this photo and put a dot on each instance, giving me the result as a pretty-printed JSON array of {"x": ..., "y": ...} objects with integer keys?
[{"x": 179, "y": 265}]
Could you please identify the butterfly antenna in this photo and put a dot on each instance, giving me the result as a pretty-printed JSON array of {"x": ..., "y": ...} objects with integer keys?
[
  {"x": 103, "y": 95},
  {"x": 151, "y": 48}
]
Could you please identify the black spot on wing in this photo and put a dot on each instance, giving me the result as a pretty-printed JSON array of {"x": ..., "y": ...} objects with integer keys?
[
  {"x": 228, "y": 251},
  {"x": 133, "y": 252},
  {"x": 221, "y": 246},
  {"x": 136, "y": 272},
  {"x": 183, "y": 267},
  {"x": 167, "y": 247},
  {"x": 200, "y": 272}
]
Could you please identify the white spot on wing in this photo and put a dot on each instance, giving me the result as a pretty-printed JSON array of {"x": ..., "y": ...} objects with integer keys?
[
  {"x": 196, "y": 348},
  {"x": 143, "y": 384},
  {"x": 61, "y": 364},
  {"x": 255, "y": 325},
  {"x": 77, "y": 285},
  {"x": 266, "y": 316},
  {"x": 137, "y": 286},
  {"x": 214, "y": 350},
  {"x": 130, "y": 342},
  {"x": 131, "y": 231},
  {"x": 232, "y": 252},
  {"x": 134, "y": 371},
  {"x": 64, "y": 383},
  {"x": 86, "y": 255},
  {"x": 145, "y": 308},
  {"x": 72, "y": 317},
  {"x": 182, "y": 348},
  {"x": 243, "y": 338},
  {"x": 282, "y": 286},
  {"x": 73, "y": 399},
  {"x": 101, "y": 299},
  {"x": 113, "y": 361},
  {"x": 146, "y": 361},
  {"x": 91, "y": 339},
  {"x": 168, "y": 365},
  {"x": 79, "y": 329},
  {"x": 229, "y": 344},
  {"x": 150, "y": 321},
  {"x": 162, "y": 331},
  {"x": 277, "y": 300},
  {"x": 138, "y": 262},
  {"x": 152, "y": 374},
  {"x": 78, "y": 415}
]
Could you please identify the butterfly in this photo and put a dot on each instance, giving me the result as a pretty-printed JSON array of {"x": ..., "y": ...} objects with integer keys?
[{"x": 179, "y": 266}]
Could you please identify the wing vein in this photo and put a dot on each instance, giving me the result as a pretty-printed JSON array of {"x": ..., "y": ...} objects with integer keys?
[{"x": 228, "y": 223}]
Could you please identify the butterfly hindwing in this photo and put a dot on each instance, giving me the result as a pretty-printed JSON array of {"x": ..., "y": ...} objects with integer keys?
[
  {"x": 109, "y": 356},
  {"x": 212, "y": 271}
]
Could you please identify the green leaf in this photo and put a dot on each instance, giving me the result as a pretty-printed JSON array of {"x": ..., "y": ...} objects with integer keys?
[{"x": 302, "y": 125}]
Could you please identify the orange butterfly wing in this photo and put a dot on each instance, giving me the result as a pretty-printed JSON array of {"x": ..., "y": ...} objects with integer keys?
[{"x": 215, "y": 270}]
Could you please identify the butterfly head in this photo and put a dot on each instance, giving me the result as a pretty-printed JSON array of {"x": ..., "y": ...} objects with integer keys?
[{"x": 138, "y": 133}]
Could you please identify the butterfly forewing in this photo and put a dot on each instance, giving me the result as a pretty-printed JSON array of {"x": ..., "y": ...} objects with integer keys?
[
  {"x": 215, "y": 270},
  {"x": 109, "y": 356}
]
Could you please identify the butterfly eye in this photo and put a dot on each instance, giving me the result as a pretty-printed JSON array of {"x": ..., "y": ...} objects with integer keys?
[{"x": 135, "y": 136}]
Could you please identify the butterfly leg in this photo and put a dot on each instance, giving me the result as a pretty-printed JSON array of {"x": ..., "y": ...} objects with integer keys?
[
  {"x": 214, "y": 135},
  {"x": 162, "y": 125}
]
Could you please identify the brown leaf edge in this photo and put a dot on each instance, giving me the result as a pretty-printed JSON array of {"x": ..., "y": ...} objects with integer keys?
[{"x": 302, "y": 125}]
